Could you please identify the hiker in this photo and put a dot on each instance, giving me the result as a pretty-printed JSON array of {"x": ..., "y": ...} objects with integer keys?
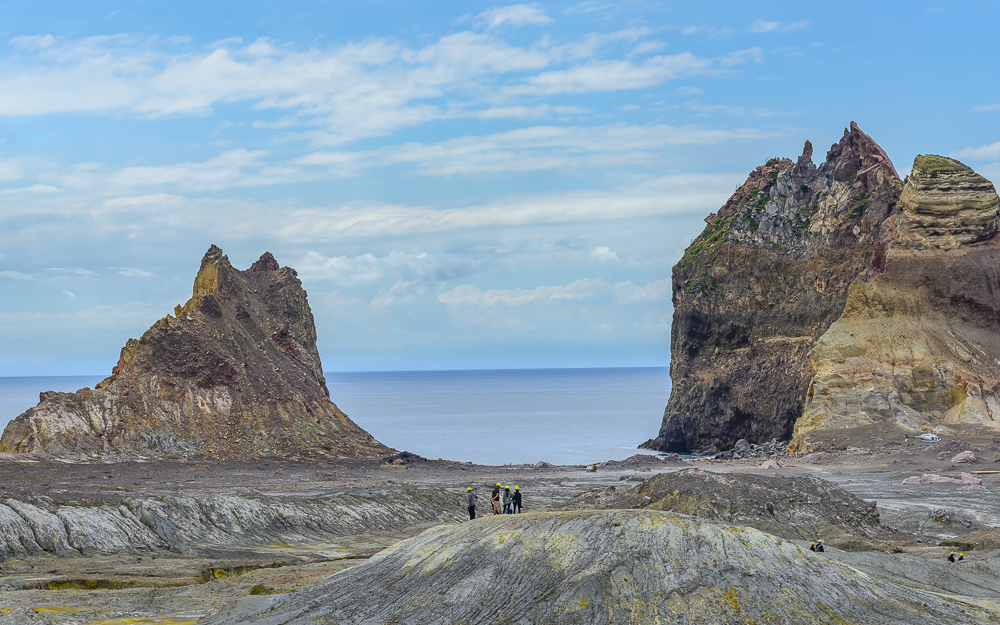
[
  {"x": 819, "y": 545},
  {"x": 471, "y": 497},
  {"x": 495, "y": 498},
  {"x": 506, "y": 499},
  {"x": 812, "y": 546},
  {"x": 515, "y": 504},
  {"x": 951, "y": 557},
  {"x": 961, "y": 557}
]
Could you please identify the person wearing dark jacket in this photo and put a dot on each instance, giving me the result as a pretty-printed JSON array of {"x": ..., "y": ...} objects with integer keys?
[
  {"x": 471, "y": 498},
  {"x": 515, "y": 504},
  {"x": 495, "y": 499}
]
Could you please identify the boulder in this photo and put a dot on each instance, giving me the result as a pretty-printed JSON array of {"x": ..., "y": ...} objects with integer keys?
[
  {"x": 965, "y": 479},
  {"x": 600, "y": 567},
  {"x": 965, "y": 457}
]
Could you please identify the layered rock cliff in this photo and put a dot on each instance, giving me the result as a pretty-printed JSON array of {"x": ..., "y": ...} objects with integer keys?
[
  {"x": 234, "y": 372},
  {"x": 836, "y": 296}
]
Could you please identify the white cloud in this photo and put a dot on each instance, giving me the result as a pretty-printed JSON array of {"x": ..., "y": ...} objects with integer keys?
[
  {"x": 980, "y": 153},
  {"x": 132, "y": 272},
  {"x": 764, "y": 26},
  {"x": 514, "y": 15},
  {"x": 605, "y": 255},
  {"x": 35, "y": 188},
  {"x": 986, "y": 108},
  {"x": 655, "y": 291},
  {"x": 755, "y": 55},
  {"x": 70, "y": 295},
  {"x": 468, "y": 295},
  {"x": 405, "y": 268},
  {"x": 16, "y": 275},
  {"x": 612, "y": 75}
]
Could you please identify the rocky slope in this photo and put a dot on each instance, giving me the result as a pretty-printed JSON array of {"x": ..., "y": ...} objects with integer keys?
[
  {"x": 235, "y": 371},
  {"x": 621, "y": 566},
  {"x": 837, "y": 296},
  {"x": 800, "y": 508},
  {"x": 211, "y": 523}
]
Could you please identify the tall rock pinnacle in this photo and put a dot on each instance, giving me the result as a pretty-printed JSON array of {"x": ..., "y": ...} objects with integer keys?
[{"x": 234, "y": 372}]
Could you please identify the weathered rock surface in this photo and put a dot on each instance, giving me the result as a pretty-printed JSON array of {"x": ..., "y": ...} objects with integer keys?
[
  {"x": 965, "y": 479},
  {"x": 235, "y": 371},
  {"x": 764, "y": 280},
  {"x": 206, "y": 523},
  {"x": 622, "y": 566},
  {"x": 801, "y": 508},
  {"x": 919, "y": 344},
  {"x": 834, "y": 297}
]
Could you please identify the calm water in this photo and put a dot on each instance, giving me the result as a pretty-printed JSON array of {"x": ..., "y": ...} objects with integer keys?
[{"x": 563, "y": 416}]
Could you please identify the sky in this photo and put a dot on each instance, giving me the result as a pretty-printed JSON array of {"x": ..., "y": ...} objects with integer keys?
[{"x": 460, "y": 184}]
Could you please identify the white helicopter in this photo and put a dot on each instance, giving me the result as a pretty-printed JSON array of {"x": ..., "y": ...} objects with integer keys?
[{"x": 927, "y": 438}]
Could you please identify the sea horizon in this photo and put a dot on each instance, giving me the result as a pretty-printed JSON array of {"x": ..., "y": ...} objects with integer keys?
[{"x": 487, "y": 416}]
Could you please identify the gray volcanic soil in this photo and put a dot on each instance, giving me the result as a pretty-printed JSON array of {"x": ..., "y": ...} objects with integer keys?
[{"x": 351, "y": 504}]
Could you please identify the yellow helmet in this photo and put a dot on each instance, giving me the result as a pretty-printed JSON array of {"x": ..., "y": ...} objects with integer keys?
[
  {"x": 952, "y": 553},
  {"x": 820, "y": 540},
  {"x": 962, "y": 554},
  {"x": 468, "y": 489},
  {"x": 507, "y": 487},
  {"x": 517, "y": 488},
  {"x": 499, "y": 484}
]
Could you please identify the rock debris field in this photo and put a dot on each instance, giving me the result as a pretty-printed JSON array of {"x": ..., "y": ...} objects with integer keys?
[{"x": 709, "y": 541}]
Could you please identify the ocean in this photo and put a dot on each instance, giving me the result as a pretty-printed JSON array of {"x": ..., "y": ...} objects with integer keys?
[{"x": 562, "y": 416}]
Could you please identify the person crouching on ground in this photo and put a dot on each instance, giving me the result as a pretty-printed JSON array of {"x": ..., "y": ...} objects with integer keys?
[
  {"x": 515, "y": 504},
  {"x": 495, "y": 499},
  {"x": 471, "y": 498},
  {"x": 506, "y": 499}
]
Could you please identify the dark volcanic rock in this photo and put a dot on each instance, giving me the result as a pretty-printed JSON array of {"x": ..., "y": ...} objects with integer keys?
[
  {"x": 804, "y": 508},
  {"x": 761, "y": 284},
  {"x": 234, "y": 372}
]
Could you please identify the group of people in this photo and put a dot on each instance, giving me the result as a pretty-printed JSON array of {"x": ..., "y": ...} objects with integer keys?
[
  {"x": 503, "y": 502},
  {"x": 814, "y": 546},
  {"x": 952, "y": 558}
]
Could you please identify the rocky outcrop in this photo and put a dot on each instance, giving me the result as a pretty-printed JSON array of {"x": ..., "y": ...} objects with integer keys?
[
  {"x": 765, "y": 279},
  {"x": 209, "y": 523},
  {"x": 801, "y": 508},
  {"x": 621, "y": 566},
  {"x": 832, "y": 297},
  {"x": 234, "y": 372},
  {"x": 919, "y": 344}
]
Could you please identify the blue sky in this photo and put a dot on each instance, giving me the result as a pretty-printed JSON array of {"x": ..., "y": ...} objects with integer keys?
[{"x": 460, "y": 184}]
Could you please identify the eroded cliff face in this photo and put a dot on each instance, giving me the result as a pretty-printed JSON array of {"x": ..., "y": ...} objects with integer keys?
[
  {"x": 762, "y": 283},
  {"x": 919, "y": 344},
  {"x": 235, "y": 371},
  {"x": 838, "y": 296}
]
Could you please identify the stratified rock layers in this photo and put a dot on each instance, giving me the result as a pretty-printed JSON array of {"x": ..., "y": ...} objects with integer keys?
[
  {"x": 622, "y": 566},
  {"x": 835, "y": 296},
  {"x": 236, "y": 371},
  {"x": 919, "y": 344},
  {"x": 767, "y": 277}
]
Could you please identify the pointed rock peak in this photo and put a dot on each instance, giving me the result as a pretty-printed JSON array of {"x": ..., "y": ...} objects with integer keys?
[
  {"x": 213, "y": 254},
  {"x": 807, "y": 151},
  {"x": 266, "y": 262},
  {"x": 858, "y": 155}
]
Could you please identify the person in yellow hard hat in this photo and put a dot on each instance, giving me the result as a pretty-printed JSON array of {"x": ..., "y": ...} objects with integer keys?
[
  {"x": 951, "y": 557},
  {"x": 495, "y": 499},
  {"x": 515, "y": 504},
  {"x": 507, "y": 496},
  {"x": 819, "y": 545},
  {"x": 471, "y": 499}
]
